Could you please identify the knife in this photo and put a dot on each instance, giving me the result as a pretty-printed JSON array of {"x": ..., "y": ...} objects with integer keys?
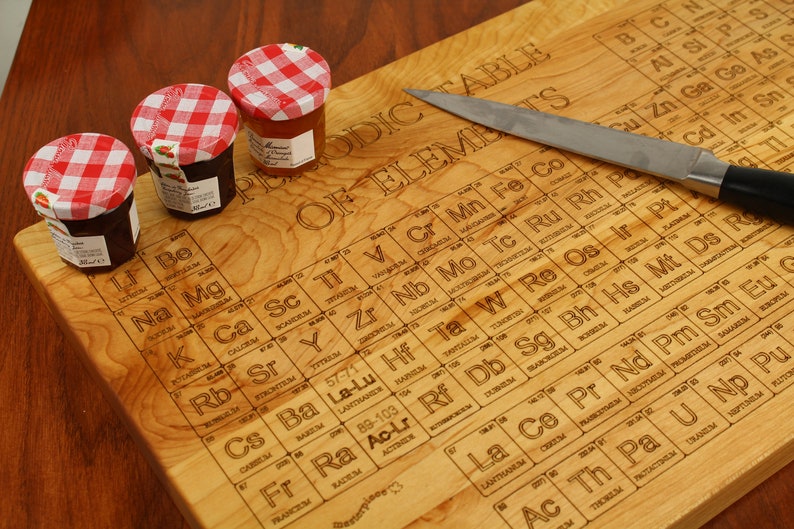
[{"x": 759, "y": 190}]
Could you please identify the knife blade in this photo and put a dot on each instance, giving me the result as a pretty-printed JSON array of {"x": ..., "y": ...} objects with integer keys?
[{"x": 759, "y": 190}]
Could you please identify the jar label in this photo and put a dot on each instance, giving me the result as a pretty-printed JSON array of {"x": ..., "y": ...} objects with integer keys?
[
  {"x": 43, "y": 201},
  {"x": 283, "y": 153},
  {"x": 189, "y": 197},
  {"x": 173, "y": 187},
  {"x": 84, "y": 252},
  {"x": 135, "y": 223}
]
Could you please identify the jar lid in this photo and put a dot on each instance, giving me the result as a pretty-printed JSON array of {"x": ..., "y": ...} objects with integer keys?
[
  {"x": 80, "y": 176},
  {"x": 279, "y": 81},
  {"x": 201, "y": 119}
]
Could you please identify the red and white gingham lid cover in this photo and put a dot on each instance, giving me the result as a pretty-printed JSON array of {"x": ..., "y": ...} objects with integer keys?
[
  {"x": 80, "y": 176},
  {"x": 202, "y": 119},
  {"x": 279, "y": 81}
]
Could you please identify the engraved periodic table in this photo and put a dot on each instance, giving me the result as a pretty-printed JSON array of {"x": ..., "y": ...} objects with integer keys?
[{"x": 442, "y": 326}]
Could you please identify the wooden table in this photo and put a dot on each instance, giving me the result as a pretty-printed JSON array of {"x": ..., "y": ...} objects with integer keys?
[{"x": 68, "y": 461}]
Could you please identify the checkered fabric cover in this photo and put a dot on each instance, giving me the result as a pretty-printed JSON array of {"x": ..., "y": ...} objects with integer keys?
[
  {"x": 202, "y": 119},
  {"x": 80, "y": 176},
  {"x": 279, "y": 82}
]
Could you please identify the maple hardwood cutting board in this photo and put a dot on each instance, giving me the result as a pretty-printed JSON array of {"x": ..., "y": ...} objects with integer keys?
[{"x": 443, "y": 326}]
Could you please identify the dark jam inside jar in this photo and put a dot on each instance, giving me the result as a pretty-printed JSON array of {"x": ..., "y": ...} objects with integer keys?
[
  {"x": 288, "y": 129},
  {"x": 117, "y": 230},
  {"x": 222, "y": 167}
]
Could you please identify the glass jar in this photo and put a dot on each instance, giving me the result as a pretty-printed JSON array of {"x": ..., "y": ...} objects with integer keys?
[
  {"x": 186, "y": 133},
  {"x": 281, "y": 90},
  {"x": 82, "y": 184}
]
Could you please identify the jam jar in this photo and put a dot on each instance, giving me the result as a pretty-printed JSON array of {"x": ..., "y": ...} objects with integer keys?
[
  {"x": 186, "y": 133},
  {"x": 82, "y": 184},
  {"x": 281, "y": 91}
]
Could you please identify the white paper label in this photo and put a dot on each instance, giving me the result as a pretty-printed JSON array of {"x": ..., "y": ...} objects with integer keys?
[
  {"x": 190, "y": 197},
  {"x": 44, "y": 202},
  {"x": 172, "y": 186},
  {"x": 282, "y": 153},
  {"x": 135, "y": 223},
  {"x": 84, "y": 252}
]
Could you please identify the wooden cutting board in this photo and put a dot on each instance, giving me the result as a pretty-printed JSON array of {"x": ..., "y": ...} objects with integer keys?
[{"x": 443, "y": 326}]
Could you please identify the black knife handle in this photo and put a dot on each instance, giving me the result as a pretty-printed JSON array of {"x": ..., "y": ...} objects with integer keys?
[{"x": 769, "y": 193}]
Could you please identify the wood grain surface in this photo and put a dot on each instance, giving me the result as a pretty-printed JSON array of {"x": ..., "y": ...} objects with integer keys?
[{"x": 82, "y": 66}]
